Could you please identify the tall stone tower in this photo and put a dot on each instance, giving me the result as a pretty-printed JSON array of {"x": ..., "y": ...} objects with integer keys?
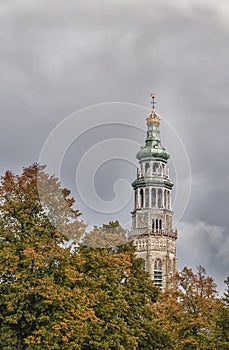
[{"x": 155, "y": 239}]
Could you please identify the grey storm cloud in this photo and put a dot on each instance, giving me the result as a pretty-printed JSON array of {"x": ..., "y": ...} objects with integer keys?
[
  {"x": 59, "y": 56},
  {"x": 207, "y": 245}
]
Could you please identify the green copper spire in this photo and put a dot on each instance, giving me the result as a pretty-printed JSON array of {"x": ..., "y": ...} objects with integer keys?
[{"x": 153, "y": 148}]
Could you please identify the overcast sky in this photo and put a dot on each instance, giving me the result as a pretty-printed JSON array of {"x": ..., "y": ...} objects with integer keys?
[{"x": 60, "y": 56}]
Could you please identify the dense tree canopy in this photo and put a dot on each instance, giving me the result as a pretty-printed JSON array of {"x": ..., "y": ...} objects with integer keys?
[
  {"x": 41, "y": 304},
  {"x": 191, "y": 314},
  {"x": 62, "y": 288},
  {"x": 123, "y": 293},
  {"x": 107, "y": 236},
  {"x": 60, "y": 296}
]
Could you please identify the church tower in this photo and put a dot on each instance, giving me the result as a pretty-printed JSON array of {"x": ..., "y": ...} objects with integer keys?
[{"x": 155, "y": 239}]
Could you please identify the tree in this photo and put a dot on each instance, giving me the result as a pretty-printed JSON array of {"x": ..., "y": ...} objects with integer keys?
[
  {"x": 186, "y": 310},
  {"x": 226, "y": 293},
  {"x": 123, "y": 293},
  {"x": 221, "y": 317},
  {"x": 42, "y": 306},
  {"x": 107, "y": 236},
  {"x": 55, "y": 294}
]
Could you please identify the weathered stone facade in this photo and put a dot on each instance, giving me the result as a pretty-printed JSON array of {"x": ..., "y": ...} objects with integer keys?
[{"x": 155, "y": 239}]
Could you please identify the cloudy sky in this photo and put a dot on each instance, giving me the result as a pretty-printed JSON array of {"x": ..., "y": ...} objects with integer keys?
[{"x": 58, "y": 57}]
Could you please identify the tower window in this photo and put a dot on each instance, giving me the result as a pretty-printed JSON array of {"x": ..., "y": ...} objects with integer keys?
[
  {"x": 147, "y": 170},
  {"x": 155, "y": 168},
  {"x": 147, "y": 197},
  {"x": 160, "y": 198},
  {"x": 158, "y": 264},
  {"x": 153, "y": 198},
  {"x": 160, "y": 224},
  {"x": 141, "y": 197},
  {"x": 168, "y": 200},
  {"x": 165, "y": 194},
  {"x": 136, "y": 199},
  {"x": 158, "y": 273},
  {"x": 157, "y": 224}
]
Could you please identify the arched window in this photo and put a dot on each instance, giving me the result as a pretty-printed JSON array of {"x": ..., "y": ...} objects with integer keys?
[
  {"x": 136, "y": 198},
  {"x": 141, "y": 197},
  {"x": 153, "y": 198},
  {"x": 168, "y": 200},
  {"x": 160, "y": 224},
  {"x": 147, "y": 170},
  {"x": 165, "y": 194},
  {"x": 147, "y": 197},
  {"x": 156, "y": 224},
  {"x": 160, "y": 169},
  {"x": 159, "y": 198},
  {"x": 158, "y": 273},
  {"x": 163, "y": 169},
  {"x": 155, "y": 168},
  {"x": 153, "y": 225},
  {"x": 158, "y": 264}
]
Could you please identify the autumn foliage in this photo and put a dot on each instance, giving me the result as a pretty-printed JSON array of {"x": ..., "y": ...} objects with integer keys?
[{"x": 58, "y": 290}]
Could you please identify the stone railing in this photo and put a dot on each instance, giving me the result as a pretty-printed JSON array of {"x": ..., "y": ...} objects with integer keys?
[{"x": 155, "y": 232}]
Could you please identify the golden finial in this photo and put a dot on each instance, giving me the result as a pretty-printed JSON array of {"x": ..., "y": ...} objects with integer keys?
[
  {"x": 153, "y": 117},
  {"x": 153, "y": 101}
]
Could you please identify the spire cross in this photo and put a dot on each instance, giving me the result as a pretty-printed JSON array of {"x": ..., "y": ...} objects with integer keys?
[{"x": 153, "y": 100}]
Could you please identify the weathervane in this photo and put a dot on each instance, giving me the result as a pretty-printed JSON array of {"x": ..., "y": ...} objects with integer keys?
[{"x": 153, "y": 100}]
